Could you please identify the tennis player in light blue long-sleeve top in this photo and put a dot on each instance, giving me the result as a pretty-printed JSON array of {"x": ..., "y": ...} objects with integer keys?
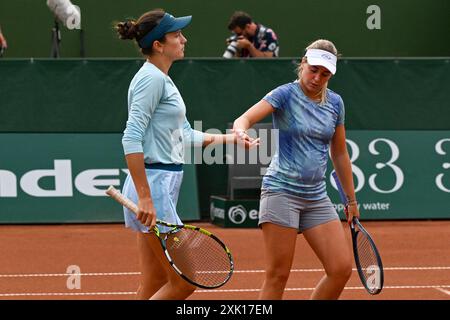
[
  {"x": 154, "y": 142},
  {"x": 156, "y": 109}
]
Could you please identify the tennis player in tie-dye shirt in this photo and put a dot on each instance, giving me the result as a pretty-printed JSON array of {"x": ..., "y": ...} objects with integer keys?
[{"x": 310, "y": 119}]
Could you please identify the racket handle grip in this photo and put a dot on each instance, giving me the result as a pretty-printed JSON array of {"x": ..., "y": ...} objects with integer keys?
[{"x": 127, "y": 203}]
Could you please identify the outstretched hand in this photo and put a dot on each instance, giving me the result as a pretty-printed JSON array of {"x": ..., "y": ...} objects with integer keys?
[{"x": 242, "y": 138}]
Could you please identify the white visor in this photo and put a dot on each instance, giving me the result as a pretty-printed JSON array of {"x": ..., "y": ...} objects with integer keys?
[{"x": 317, "y": 57}]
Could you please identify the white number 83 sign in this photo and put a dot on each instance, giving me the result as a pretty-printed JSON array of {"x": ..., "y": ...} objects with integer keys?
[{"x": 360, "y": 178}]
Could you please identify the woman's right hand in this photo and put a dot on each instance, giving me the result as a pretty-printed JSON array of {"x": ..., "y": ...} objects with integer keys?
[
  {"x": 147, "y": 213},
  {"x": 244, "y": 139}
]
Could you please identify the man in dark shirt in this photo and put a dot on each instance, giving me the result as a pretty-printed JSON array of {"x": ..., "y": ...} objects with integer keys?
[{"x": 250, "y": 39}]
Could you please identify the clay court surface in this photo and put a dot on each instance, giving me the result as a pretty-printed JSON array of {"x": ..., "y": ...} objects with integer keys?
[{"x": 35, "y": 259}]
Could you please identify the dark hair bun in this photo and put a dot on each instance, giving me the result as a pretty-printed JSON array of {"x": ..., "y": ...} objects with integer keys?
[{"x": 126, "y": 29}]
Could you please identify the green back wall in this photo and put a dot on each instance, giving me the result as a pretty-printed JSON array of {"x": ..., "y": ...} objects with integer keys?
[
  {"x": 408, "y": 27},
  {"x": 89, "y": 96}
]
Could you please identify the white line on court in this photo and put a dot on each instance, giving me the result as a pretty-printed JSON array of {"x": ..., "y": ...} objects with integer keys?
[
  {"x": 102, "y": 274},
  {"x": 311, "y": 289},
  {"x": 99, "y": 274},
  {"x": 444, "y": 291},
  {"x": 66, "y": 294},
  {"x": 386, "y": 269},
  {"x": 199, "y": 291}
]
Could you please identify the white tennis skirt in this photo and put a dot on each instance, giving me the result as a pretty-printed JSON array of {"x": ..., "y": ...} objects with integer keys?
[{"x": 165, "y": 188}]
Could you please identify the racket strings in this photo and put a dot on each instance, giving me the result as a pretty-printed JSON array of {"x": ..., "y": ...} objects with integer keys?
[
  {"x": 367, "y": 259},
  {"x": 199, "y": 257}
]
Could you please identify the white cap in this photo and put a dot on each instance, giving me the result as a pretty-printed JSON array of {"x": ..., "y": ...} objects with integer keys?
[{"x": 317, "y": 57}]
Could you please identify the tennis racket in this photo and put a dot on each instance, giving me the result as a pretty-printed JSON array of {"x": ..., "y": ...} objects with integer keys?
[
  {"x": 197, "y": 255},
  {"x": 367, "y": 258}
]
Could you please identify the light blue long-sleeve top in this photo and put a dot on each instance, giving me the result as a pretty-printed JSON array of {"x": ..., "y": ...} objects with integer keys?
[{"x": 157, "y": 124}]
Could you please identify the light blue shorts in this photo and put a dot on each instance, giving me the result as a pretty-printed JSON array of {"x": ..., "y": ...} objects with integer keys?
[
  {"x": 288, "y": 210},
  {"x": 165, "y": 188}
]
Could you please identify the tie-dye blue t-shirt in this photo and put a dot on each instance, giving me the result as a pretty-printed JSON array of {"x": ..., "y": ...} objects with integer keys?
[{"x": 305, "y": 130}]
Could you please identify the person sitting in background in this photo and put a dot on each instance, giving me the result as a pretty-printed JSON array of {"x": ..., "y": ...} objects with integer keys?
[
  {"x": 3, "y": 43},
  {"x": 250, "y": 39}
]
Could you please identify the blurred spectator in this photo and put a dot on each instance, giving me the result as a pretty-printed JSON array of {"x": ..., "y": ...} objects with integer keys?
[
  {"x": 250, "y": 39},
  {"x": 3, "y": 43}
]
